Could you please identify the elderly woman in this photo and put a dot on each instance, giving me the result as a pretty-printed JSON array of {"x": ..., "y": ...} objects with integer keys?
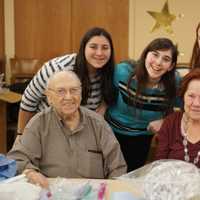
[{"x": 179, "y": 136}]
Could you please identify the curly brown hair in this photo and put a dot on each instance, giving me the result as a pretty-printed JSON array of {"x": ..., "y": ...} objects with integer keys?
[{"x": 194, "y": 74}]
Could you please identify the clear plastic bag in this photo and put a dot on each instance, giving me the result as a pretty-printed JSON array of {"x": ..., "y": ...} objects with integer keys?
[
  {"x": 167, "y": 179},
  {"x": 19, "y": 191},
  {"x": 64, "y": 189}
]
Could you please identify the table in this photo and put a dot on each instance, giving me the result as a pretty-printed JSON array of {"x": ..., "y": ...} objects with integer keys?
[
  {"x": 115, "y": 185},
  {"x": 123, "y": 186},
  {"x": 6, "y": 96},
  {"x": 134, "y": 188}
]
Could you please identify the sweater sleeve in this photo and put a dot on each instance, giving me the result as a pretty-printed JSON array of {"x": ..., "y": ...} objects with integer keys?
[
  {"x": 35, "y": 91},
  {"x": 162, "y": 149},
  {"x": 27, "y": 148}
]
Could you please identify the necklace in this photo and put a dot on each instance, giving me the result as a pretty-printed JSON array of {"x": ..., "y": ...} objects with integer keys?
[{"x": 184, "y": 127}]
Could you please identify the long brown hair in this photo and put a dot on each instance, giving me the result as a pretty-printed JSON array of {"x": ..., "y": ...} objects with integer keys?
[
  {"x": 107, "y": 71},
  {"x": 195, "y": 59},
  {"x": 167, "y": 79}
]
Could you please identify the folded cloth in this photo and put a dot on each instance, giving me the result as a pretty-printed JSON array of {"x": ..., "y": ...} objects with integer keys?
[{"x": 7, "y": 167}]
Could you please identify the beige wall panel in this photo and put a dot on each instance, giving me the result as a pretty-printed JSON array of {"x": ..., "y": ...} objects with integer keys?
[
  {"x": 113, "y": 15},
  {"x": 2, "y": 50},
  {"x": 184, "y": 28},
  {"x": 1, "y": 28},
  {"x": 42, "y": 28}
]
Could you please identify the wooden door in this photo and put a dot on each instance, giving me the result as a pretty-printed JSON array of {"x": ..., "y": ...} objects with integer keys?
[
  {"x": 110, "y": 14},
  {"x": 48, "y": 28},
  {"x": 42, "y": 28}
]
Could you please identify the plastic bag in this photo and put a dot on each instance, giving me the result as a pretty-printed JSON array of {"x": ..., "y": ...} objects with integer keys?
[
  {"x": 7, "y": 167},
  {"x": 63, "y": 189},
  {"x": 167, "y": 179},
  {"x": 19, "y": 191},
  {"x": 175, "y": 180}
]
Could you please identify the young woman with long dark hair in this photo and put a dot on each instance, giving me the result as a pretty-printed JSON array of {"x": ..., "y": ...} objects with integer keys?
[
  {"x": 94, "y": 65},
  {"x": 146, "y": 92}
]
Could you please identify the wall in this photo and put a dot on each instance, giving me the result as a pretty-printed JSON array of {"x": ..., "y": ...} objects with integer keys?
[
  {"x": 2, "y": 48},
  {"x": 141, "y": 24},
  {"x": 9, "y": 34}
]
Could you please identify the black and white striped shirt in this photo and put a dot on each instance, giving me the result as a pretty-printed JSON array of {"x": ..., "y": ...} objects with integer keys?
[{"x": 34, "y": 99}]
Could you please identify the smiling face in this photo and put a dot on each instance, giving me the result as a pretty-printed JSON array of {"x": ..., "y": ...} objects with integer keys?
[
  {"x": 157, "y": 63},
  {"x": 192, "y": 100},
  {"x": 64, "y": 94},
  {"x": 97, "y": 52}
]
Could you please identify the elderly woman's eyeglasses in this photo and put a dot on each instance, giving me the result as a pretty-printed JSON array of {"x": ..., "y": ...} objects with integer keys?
[{"x": 61, "y": 92}]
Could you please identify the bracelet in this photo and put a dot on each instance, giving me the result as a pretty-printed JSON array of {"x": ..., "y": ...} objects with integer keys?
[{"x": 19, "y": 133}]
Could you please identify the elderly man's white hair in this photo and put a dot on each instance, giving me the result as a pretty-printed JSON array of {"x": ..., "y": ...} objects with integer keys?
[{"x": 64, "y": 73}]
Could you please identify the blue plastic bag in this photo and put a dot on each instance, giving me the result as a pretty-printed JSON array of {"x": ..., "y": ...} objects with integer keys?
[{"x": 8, "y": 167}]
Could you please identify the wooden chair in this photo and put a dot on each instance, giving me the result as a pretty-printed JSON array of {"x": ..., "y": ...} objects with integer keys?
[{"x": 23, "y": 68}]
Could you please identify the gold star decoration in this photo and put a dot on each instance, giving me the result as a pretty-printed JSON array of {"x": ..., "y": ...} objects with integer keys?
[{"x": 163, "y": 19}]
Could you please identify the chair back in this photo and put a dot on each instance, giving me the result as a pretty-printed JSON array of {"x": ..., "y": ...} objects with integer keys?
[{"x": 23, "y": 68}]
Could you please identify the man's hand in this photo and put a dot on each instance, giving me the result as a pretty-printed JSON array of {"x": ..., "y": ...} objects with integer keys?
[
  {"x": 155, "y": 126},
  {"x": 36, "y": 178}
]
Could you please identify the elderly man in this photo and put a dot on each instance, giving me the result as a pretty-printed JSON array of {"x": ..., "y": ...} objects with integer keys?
[{"x": 66, "y": 139}]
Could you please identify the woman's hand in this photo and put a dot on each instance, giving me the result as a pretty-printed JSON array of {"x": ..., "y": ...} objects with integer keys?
[
  {"x": 36, "y": 178},
  {"x": 102, "y": 108},
  {"x": 155, "y": 126}
]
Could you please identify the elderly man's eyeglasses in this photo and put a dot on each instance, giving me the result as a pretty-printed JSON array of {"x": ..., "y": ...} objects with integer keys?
[{"x": 61, "y": 92}]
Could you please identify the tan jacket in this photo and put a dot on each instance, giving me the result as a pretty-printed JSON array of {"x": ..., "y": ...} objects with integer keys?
[{"x": 90, "y": 151}]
